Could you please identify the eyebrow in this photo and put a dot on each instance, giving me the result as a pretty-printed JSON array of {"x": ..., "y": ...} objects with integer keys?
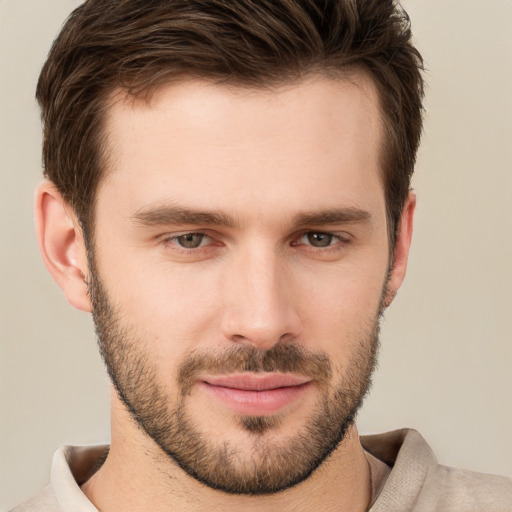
[
  {"x": 332, "y": 216},
  {"x": 167, "y": 215},
  {"x": 177, "y": 215}
]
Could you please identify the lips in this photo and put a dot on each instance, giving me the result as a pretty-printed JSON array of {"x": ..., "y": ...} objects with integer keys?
[
  {"x": 256, "y": 394},
  {"x": 256, "y": 382}
]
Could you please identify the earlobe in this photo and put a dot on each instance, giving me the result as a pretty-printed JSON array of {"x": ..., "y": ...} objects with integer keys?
[
  {"x": 61, "y": 244},
  {"x": 401, "y": 249}
]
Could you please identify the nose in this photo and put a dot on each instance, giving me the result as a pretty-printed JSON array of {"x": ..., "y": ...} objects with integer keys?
[{"x": 258, "y": 301}]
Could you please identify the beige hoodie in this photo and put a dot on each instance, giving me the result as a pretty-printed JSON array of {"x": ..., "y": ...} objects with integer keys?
[{"x": 417, "y": 482}]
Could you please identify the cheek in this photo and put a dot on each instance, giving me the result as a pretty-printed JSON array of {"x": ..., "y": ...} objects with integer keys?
[
  {"x": 339, "y": 310},
  {"x": 172, "y": 310}
]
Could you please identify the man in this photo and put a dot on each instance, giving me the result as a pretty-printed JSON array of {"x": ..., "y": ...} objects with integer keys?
[{"x": 228, "y": 194}]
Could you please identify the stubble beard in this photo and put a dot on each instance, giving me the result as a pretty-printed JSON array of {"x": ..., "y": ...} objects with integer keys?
[{"x": 269, "y": 466}]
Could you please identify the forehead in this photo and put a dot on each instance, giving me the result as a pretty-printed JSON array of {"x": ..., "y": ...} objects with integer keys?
[{"x": 222, "y": 145}]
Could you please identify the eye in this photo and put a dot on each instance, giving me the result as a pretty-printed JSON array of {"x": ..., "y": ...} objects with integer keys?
[
  {"x": 319, "y": 239},
  {"x": 190, "y": 240}
]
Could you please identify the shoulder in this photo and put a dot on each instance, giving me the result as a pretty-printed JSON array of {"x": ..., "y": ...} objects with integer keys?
[
  {"x": 465, "y": 491},
  {"x": 71, "y": 467},
  {"x": 43, "y": 501},
  {"x": 418, "y": 483}
]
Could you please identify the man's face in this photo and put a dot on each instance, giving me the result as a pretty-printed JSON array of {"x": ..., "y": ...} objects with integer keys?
[{"x": 241, "y": 258}]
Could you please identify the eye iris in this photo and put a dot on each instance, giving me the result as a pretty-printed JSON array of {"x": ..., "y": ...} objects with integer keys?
[
  {"x": 319, "y": 239},
  {"x": 190, "y": 240}
]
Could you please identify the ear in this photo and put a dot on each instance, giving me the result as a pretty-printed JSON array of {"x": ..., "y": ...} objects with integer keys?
[
  {"x": 61, "y": 244},
  {"x": 401, "y": 250}
]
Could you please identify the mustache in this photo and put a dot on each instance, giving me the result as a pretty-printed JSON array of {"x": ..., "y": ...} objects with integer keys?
[{"x": 282, "y": 358}]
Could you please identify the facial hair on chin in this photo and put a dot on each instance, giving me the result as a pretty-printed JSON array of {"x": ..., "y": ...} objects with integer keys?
[{"x": 271, "y": 466}]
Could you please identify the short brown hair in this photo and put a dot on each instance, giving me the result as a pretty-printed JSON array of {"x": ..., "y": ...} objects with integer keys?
[{"x": 138, "y": 45}]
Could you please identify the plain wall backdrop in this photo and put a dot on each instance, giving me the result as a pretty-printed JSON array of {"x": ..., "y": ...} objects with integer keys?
[{"x": 446, "y": 358}]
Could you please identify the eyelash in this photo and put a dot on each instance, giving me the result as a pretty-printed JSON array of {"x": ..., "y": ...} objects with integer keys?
[
  {"x": 173, "y": 240},
  {"x": 340, "y": 241}
]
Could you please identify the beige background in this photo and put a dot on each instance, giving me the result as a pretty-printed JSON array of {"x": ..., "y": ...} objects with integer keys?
[{"x": 447, "y": 348}]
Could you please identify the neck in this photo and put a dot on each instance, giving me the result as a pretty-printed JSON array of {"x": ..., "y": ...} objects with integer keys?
[{"x": 137, "y": 475}]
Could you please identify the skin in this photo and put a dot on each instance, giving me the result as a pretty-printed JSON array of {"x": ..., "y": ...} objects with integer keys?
[{"x": 262, "y": 159}]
